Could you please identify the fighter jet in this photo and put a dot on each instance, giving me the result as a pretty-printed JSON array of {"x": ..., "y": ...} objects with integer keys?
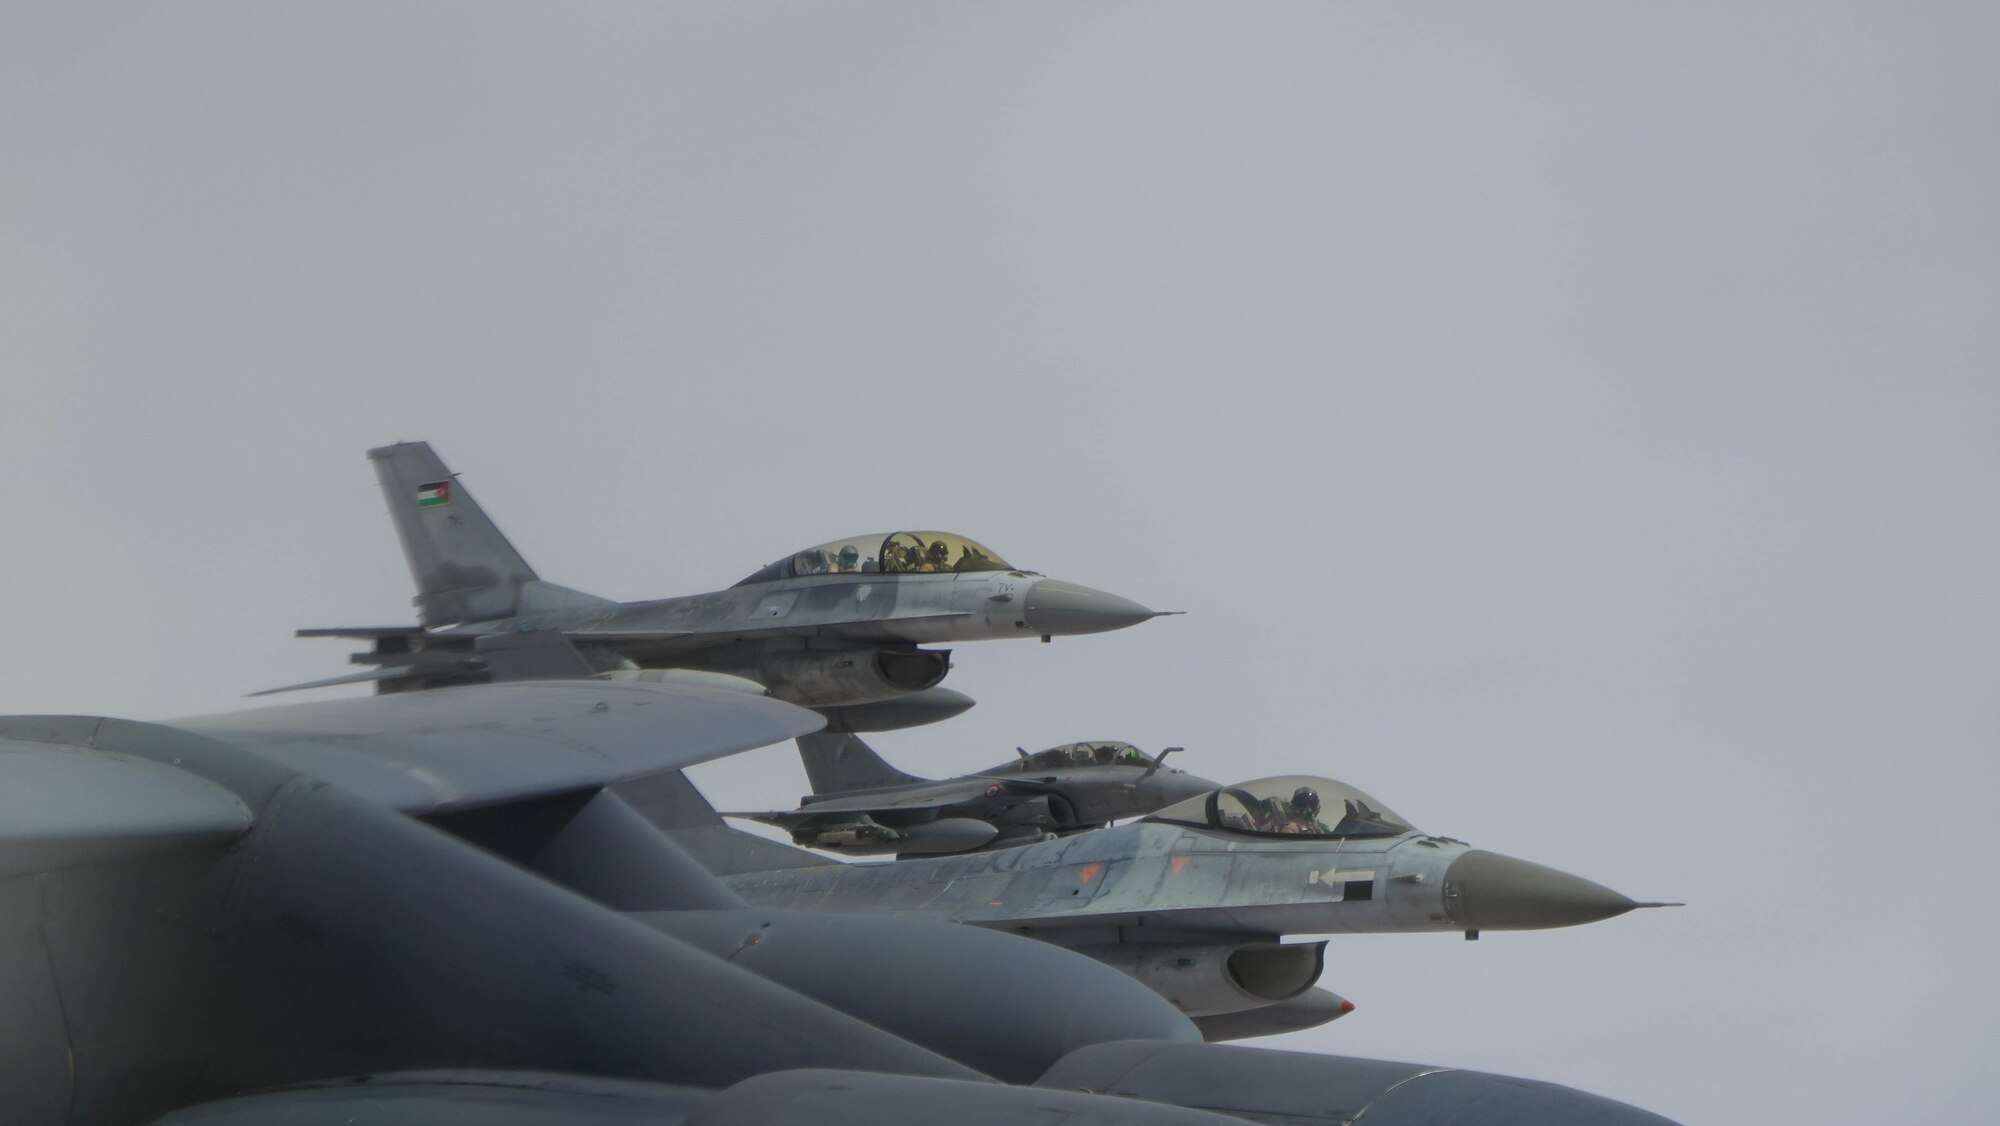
[
  {"x": 840, "y": 627},
  {"x": 1195, "y": 899},
  {"x": 860, "y": 805},
  {"x": 442, "y": 907}
]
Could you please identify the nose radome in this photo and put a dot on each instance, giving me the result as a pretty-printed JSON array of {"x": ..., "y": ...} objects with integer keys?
[
  {"x": 1054, "y": 607},
  {"x": 1488, "y": 891}
]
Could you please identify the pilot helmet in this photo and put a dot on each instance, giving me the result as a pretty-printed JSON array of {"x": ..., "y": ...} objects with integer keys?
[
  {"x": 849, "y": 556},
  {"x": 940, "y": 550},
  {"x": 1305, "y": 801}
]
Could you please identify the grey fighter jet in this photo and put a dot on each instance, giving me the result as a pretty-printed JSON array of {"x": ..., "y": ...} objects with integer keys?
[
  {"x": 860, "y": 805},
  {"x": 840, "y": 627},
  {"x": 1195, "y": 899},
  {"x": 442, "y": 909}
]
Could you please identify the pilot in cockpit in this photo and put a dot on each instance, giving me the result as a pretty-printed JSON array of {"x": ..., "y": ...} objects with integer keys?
[{"x": 1303, "y": 813}]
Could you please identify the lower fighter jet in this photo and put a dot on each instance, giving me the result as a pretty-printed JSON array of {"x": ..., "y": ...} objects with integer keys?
[
  {"x": 861, "y": 805},
  {"x": 1194, "y": 899},
  {"x": 457, "y": 907}
]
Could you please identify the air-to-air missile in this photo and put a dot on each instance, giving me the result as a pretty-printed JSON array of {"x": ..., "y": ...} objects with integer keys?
[
  {"x": 459, "y": 907},
  {"x": 841, "y": 627},
  {"x": 861, "y": 805},
  {"x": 1194, "y": 899}
]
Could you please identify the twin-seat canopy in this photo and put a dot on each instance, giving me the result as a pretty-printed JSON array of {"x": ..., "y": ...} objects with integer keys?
[
  {"x": 898, "y": 553},
  {"x": 1293, "y": 805},
  {"x": 1106, "y": 752}
]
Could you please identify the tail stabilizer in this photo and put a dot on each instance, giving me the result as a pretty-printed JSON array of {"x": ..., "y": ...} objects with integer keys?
[
  {"x": 837, "y": 763},
  {"x": 464, "y": 568}
]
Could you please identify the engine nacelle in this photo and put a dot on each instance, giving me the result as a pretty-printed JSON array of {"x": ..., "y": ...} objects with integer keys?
[
  {"x": 820, "y": 678},
  {"x": 1209, "y": 979}
]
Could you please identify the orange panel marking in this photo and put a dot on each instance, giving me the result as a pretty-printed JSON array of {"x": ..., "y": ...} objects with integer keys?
[
  {"x": 1088, "y": 873},
  {"x": 1175, "y": 865}
]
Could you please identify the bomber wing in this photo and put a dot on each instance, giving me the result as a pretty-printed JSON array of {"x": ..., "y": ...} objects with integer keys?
[{"x": 457, "y": 748}]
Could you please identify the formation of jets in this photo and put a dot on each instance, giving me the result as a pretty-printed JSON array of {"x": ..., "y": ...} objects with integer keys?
[{"x": 487, "y": 894}]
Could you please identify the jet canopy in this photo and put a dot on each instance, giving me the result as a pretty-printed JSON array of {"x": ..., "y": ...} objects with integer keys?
[
  {"x": 896, "y": 553},
  {"x": 1293, "y": 805},
  {"x": 1108, "y": 752}
]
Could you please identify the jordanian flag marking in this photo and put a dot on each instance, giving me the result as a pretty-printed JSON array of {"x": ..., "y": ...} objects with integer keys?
[{"x": 437, "y": 492}]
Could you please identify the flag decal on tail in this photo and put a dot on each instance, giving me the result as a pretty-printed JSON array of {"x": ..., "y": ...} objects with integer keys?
[{"x": 437, "y": 492}]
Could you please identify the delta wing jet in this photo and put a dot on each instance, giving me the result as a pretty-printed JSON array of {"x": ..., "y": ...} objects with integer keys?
[
  {"x": 861, "y": 805},
  {"x": 841, "y": 627}
]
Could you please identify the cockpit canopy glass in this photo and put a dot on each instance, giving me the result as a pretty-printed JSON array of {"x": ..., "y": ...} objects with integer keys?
[
  {"x": 1109, "y": 752},
  {"x": 1292, "y": 805},
  {"x": 894, "y": 554}
]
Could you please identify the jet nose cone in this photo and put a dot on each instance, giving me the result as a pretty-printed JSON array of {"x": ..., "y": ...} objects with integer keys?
[
  {"x": 1487, "y": 891},
  {"x": 1054, "y": 606}
]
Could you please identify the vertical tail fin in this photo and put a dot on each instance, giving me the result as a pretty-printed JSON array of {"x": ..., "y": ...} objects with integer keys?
[
  {"x": 838, "y": 763},
  {"x": 464, "y": 568}
]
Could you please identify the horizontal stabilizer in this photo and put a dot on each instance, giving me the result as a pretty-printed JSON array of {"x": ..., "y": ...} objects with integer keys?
[{"x": 459, "y": 748}]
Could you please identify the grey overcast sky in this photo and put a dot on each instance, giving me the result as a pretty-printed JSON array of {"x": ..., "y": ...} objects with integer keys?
[{"x": 1576, "y": 424}]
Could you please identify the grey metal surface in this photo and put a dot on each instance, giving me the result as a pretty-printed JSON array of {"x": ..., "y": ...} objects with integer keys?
[
  {"x": 478, "y": 744},
  {"x": 995, "y": 1002},
  {"x": 460, "y": 562},
  {"x": 63, "y": 807},
  {"x": 1299, "y": 1089},
  {"x": 824, "y": 1098},
  {"x": 461, "y": 1098}
]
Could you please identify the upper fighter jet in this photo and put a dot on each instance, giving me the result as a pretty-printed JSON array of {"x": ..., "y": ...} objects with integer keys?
[
  {"x": 860, "y": 805},
  {"x": 839, "y": 627}
]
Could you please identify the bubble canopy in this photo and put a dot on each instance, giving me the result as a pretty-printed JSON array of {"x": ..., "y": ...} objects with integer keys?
[
  {"x": 1104, "y": 752},
  {"x": 893, "y": 553},
  {"x": 1290, "y": 805}
]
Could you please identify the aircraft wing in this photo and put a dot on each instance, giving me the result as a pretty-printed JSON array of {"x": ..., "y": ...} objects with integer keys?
[{"x": 457, "y": 748}]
